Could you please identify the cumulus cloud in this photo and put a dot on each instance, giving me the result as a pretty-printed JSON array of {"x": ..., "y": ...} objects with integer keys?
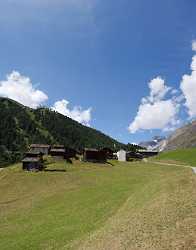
[
  {"x": 194, "y": 45},
  {"x": 154, "y": 111},
  {"x": 77, "y": 113},
  {"x": 188, "y": 87},
  {"x": 21, "y": 89},
  {"x": 158, "y": 89}
]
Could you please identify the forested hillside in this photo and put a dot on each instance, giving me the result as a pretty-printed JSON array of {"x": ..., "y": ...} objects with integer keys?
[
  {"x": 21, "y": 126},
  {"x": 71, "y": 133}
]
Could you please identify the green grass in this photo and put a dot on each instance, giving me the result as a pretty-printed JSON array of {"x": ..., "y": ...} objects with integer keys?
[
  {"x": 92, "y": 206},
  {"x": 185, "y": 156}
]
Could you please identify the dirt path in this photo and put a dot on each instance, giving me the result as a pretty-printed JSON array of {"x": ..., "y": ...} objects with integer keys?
[
  {"x": 170, "y": 164},
  {"x": 173, "y": 164}
]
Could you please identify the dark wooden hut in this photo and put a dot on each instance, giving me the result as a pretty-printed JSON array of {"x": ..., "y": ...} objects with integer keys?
[
  {"x": 58, "y": 146},
  {"x": 94, "y": 155},
  {"x": 40, "y": 148},
  {"x": 34, "y": 154},
  {"x": 32, "y": 164},
  {"x": 133, "y": 155},
  {"x": 58, "y": 154},
  {"x": 109, "y": 153},
  {"x": 147, "y": 154},
  {"x": 70, "y": 153}
]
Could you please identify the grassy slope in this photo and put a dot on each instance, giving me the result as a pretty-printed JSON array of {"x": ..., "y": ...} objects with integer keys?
[
  {"x": 127, "y": 206},
  {"x": 185, "y": 156}
]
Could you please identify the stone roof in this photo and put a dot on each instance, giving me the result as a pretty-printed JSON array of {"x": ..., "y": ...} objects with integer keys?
[
  {"x": 57, "y": 150},
  {"x": 91, "y": 149},
  {"x": 30, "y": 159},
  {"x": 39, "y": 146},
  {"x": 58, "y": 146}
]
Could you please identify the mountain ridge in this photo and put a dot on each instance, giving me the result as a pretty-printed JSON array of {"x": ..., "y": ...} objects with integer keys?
[{"x": 181, "y": 138}]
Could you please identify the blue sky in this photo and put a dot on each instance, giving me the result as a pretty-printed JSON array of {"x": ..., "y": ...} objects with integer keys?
[{"x": 100, "y": 57}]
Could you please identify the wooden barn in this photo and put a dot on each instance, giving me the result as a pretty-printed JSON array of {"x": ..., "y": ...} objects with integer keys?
[
  {"x": 40, "y": 148},
  {"x": 134, "y": 155},
  {"x": 94, "y": 155},
  {"x": 34, "y": 154},
  {"x": 147, "y": 154},
  {"x": 32, "y": 164},
  {"x": 57, "y": 146},
  {"x": 58, "y": 153},
  {"x": 109, "y": 153},
  {"x": 70, "y": 153},
  {"x": 33, "y": 161}
]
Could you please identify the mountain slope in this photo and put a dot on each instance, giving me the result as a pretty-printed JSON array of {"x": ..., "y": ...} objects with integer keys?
[
  {"x": 21, "y": 126},
  {"x": 184, "y": 137}
]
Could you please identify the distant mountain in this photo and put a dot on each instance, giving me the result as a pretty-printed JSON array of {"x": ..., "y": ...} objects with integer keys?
[
  {"x": 156, "y": 144},
  {"x": 181, "y": 138},
  {"x": 184, "y": 137},
  {"x": 21, "y": 126}
]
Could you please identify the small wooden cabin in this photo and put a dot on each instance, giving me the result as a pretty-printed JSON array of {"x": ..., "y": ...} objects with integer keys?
[
  {"x": 109, "y": 152},
  {"x": 40, "y": 148},
  {"x": 147, "y": 154},
  {"x": 70, "y": 153},
  {"x": 57, "y": 146},
  {"x": 134, "y": 155},
  {"x": 57, "y": 154},
  {"x": 94, "y": 155},
  {"x": 32, "y": 164},
  {"x": 34, "y": 154}
]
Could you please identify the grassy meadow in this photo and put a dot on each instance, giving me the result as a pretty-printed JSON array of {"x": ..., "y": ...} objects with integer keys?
[
  {"x": 183, "y": 156},
  {"x": 98, "y": 206}
]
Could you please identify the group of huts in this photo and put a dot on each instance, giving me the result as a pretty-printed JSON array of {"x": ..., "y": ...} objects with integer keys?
[{"x": 33, "y": 159}]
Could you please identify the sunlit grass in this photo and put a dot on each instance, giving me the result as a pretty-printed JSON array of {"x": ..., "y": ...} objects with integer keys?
[
  {"x": 185, "y": 156},
  {"x": 61, "y": 207}
]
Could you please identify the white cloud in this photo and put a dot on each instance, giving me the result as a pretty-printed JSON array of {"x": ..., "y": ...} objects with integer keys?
[
  {"x": 188, "y": 87},
  {"x": 81, "y": 116},
  {"x": 158, "y": 89},
  {"x": 20, "y": 88},
  {"x": 158, "y": 115},
  {"x": 154, "y": 112},
  {"x": 194, "y": 45}
]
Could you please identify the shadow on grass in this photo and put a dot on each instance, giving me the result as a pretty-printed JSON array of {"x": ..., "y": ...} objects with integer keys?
[
  {"x": 109, "y": 163},
  {"x": 55, "y": 170},
  {"x": 69, "y": 161}
]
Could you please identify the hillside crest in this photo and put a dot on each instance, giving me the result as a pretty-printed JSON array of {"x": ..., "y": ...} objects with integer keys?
[{"x": 21, "y": 126}]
